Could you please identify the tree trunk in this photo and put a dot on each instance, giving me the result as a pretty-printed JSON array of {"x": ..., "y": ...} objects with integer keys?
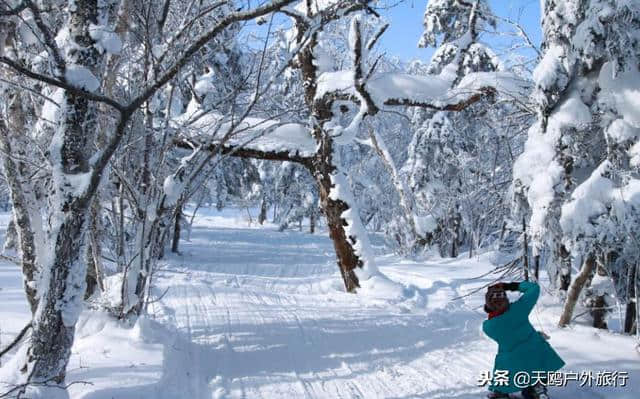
[
  {"x": 11, "y": 236},
  {"x": 407, "y": 202},
  {"x": 312, "y": 221},
  {"x": 176, "y": 230},
  {"x": 263, "y": 211},
  {"x": 525, "y": 252},
  {"x": 63, "y": 287},
  {"x": 91, "y": 280},
  {"x": 54, "y": 326},
  {"x": 565, "y": 269},
  {"x": 333, "y": 209},
  {"x": 598, "y": 312},
  {"x": 575, "y": 289},
  {"x": 94, "y": 252},
  {"x": 19, "y": 191},
  {"x": 630, "y": 312}
]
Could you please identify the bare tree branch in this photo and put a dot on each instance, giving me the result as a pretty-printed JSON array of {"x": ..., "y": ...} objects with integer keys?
[
  {"x": 16, "y": 340},
  {"x": 23, "y": 70},
  {"x": 13, "y": 11}
]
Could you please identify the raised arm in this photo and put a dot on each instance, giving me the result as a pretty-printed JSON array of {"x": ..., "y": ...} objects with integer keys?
[{"x": 530, "y": 293}]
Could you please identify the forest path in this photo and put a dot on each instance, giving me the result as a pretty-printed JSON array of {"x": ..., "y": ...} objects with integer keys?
[
  {"x": 250, "y": 312},
  {"x": 268, "y": 318}
]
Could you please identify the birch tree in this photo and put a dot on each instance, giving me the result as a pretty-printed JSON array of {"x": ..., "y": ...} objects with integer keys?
[{"x": 75, "y": 40}]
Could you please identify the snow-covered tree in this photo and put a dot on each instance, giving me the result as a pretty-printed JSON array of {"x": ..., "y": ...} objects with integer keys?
[
  {"x": 67, "y": 63},
  {"x": 576, "y": 178},
  {"x": 459, "y": 189}
]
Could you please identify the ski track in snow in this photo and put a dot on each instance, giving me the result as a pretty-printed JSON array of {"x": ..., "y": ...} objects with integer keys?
[{"x": 256, "y": 313}]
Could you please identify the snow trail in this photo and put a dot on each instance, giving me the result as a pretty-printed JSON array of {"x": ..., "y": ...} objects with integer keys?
[{"x": 250, "y": 312}]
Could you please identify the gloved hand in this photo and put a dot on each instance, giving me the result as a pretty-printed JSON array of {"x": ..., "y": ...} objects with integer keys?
[{"x": 513, "y": 286}]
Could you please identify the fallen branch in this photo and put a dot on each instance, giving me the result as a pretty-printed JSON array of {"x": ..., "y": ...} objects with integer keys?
[
  {"x": 22, "y": 387},
  {"x": 10, "y": 259},
  {"x": 16, "y": 340}
]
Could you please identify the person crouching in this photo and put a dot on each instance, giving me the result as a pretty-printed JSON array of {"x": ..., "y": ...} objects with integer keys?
[{"x": 521, "y": 349}]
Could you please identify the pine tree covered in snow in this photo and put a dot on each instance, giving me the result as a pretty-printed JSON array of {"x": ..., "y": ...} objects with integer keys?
[
  {"x": 457, "y": 185},
  {"x": 575, "y": 176}
]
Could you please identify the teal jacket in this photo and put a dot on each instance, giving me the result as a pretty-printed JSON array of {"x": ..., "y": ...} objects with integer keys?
[{"x": 520, "y": 347}]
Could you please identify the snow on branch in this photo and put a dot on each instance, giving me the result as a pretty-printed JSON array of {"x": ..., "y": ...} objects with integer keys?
[
  {"x": 253, "y": 137},
  {"x": 428, "y": 91}
]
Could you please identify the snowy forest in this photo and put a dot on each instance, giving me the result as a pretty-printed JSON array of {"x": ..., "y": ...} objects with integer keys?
[{"x": 257, "y": 199}]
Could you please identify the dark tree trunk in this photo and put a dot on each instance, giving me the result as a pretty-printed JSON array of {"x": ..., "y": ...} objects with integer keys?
[
  {"x": 348, "y": 260},
  {"x": 263, "y": 211},
  {"x": 525, "y": 252},
  {"x": 312, "y": 222},
  {"x": 94, "y": 252},
  {"x": 599, "y": 312},
  {"x": 91, "y": 280},
  {"x": 630, "y": 312},
  {"x": 565, "y": 269},
  {"x": 176, "y": 230}
]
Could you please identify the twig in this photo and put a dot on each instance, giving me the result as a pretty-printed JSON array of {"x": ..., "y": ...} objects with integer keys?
[
  {"x": 21, "y": 387},
  {"x": 10, "y": 259},
  {"x": 16, "y": 340}
]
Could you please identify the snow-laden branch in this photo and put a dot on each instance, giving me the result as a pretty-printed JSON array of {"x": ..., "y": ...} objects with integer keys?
[
  {"x": 427, "y": 91},
  {"x": 23, "y": 70},
  {"x": 102, "y": 158},
  {"x": 265, "y": 138},
  {"x": 228, "y": 20}
]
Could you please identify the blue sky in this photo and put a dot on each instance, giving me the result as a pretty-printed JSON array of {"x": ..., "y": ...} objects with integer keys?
[{"x": 406, "y": 25}]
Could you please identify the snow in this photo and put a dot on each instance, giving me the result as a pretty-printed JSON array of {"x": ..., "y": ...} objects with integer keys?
[
  {"x": 253, "y": 312},
  {"x": 81, "y": 77},
  {"x": 537, "y": 168},
  {"x": 173, "y": 188},
  {"x": 589, "y": 200},
  {"x": 625, "y": 91},
  {"x": 267, "y": 135},
  {"x": 425, "y": 224},
  {"x": 620, "y": 131},
  {"x": 506, "y": 84},
  {"x": 634, "y": 153},
  {"x": 546, "y": 73},
  {"x": 404, "y": 86},
  {"x": 425, "y": 89},
  {"x": 205, "y": 84},
  {"x": 106, "y": 39}
]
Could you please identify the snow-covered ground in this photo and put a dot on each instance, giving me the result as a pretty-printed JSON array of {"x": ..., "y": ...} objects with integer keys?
[{"x": 250, "y": 312}]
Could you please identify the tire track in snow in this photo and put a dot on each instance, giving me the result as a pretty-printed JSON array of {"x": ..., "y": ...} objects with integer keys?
[{"x": 277, "y": 337}]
